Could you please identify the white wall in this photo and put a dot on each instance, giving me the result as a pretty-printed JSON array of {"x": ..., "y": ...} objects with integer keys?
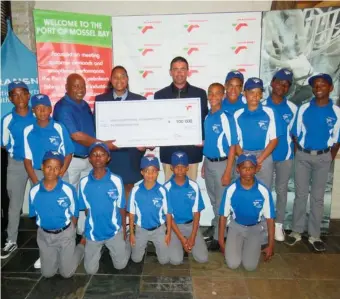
[{"x": 129, "y": 8}]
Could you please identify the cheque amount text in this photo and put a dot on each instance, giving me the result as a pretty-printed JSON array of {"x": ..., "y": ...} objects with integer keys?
[{"x": 181, "y": 121}]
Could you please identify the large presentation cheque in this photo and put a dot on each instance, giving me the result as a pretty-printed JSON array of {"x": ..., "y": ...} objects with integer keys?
[{"x": 150, "y": 122}]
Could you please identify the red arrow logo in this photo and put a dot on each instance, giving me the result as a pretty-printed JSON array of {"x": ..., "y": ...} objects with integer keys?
[
  {"x": 190, "y": 72},
  {"x": 191, "y": 50},
  {"x": 149, "y": 93},
  {"x": 239, "y": 26},
  {"x": 239, "y": 48},
  {"x": 191, "y": 27},
  {"x": 146, "y": 28}
]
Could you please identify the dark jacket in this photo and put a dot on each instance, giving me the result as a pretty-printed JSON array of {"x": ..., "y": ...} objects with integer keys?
[{"x": 194, "y": 153}]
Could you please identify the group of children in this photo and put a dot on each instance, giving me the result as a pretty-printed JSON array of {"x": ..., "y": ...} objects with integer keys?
[{"x": 263, "y": 137}]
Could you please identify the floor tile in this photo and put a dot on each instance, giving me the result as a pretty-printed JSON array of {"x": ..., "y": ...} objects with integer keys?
[
  {"x": 314, "y": 266},
  {"x": 164, "y": 295},
  {"x": 106, "y": 266},
  {"x": 334, "y": 228},
  {"x": 275, "y": 268},
  {"x": 320, "y": 289},
  {"x": 17, "y": 285},
  {"x": 58, "y": 287},
  {"x": 27, "y": 223},
  {"x": 300, "y": 247},
  {"x": 219, "y": 287},
  {"x": 22, "y": 261},
  {"x": 165, "y": 284},
  {"x": 274, "y": 289},
  {"x": 113, "y": 287},
  {"x": 216, "y": 267},
  {"x": 32, "y": 242},
  {"x": 153, "y": 268}
]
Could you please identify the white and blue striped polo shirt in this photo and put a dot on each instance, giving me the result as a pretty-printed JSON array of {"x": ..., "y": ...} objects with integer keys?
[
  {"x": 102, "y": 198},
  {"x": 55, "y": 208},
  {"x": 247, "y": 206},
  {"x": 317, "y": 127}
]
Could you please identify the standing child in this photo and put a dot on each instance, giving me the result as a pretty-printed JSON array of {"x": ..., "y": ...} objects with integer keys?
[
  {"x": 247, "y": 200},
  {"x": 258, "y": 129},
  {"x": 101, "y": 195},
  {"x": 219, "y": 151},
  {"x": 45, "y": 135},
  {"x": 54, "y": 204},
  {"x": 284, "y": 152},
  {"x": 187, "y": 203},
  {"x": 317, "y": 130},
  {"x": 151, "y": 213},
  {"x": 12, "y": 126}
]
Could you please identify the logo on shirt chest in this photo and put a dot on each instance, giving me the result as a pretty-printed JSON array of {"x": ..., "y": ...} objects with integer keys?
[
  {"x": 55, "y": 140},
  {"x": 258, "y": 203},
  {"x": 63, "y": 202},
  {"x": 287, "y": 117},
  {"x": 263, "y": 124},
  {"x": 157, "y": 202},
  {"x": 191, "y": 195},
  {"x": 216, "y": 128},
  {"x": 330, "y": 121},
  {"x": 113, "y": 193}
]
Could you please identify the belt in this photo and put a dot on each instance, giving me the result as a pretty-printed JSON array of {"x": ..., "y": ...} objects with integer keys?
[
  {"x": 217, "y": 159},
  {"x": 80, "y": 157},
  {"x": 188, "y": 222},
  {"x": 57, "y": 231},
  {"x": 313, "y": 152},
  {"x": 249, "y": 225},
  {"x": 153, "y": 228}
]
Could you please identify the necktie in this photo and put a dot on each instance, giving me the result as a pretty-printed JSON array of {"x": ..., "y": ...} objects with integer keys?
[{"x": 118, "y": 98}]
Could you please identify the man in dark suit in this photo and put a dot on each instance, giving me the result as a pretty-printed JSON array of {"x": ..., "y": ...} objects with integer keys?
[{"x": 180, "y": 88}]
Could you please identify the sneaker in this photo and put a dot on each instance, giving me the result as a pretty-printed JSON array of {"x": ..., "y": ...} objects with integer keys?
[
  {"x": 37, "y": 264},
  {"x": 317, "y": 243},
  {"x": 214, "y": 246},
  {"x": 293, "y": 238},
  {"x": 8, "y": 249},
  {"x": 279, "y": 232}
]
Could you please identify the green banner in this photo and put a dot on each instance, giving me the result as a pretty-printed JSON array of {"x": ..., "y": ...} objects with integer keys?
[{"x": 67, "y": 27}]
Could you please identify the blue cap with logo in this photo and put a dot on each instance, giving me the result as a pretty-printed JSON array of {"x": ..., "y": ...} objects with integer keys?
[
  {"x": 253, "y": 83},
  {"x": 234, "y": 74},
  {"x": 326, "y": 77},
  {"x": 99, "y": 144},
  {"x": 246, "y": 157},
  {"x": 40, "y": 99},
  {"x": 149, "y": 161},
  {"x": 54, "y": 155},
  {"x": 17, "y": 84},
  {"x": 179, "y": 158},
  {"x": 284, "y": 74}
]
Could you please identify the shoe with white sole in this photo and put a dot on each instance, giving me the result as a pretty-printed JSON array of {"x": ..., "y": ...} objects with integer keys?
[
  {"x": 279, "y": 232},
  {"x": 37, "y": 264},
  {"x": 293, "y": 238},
  {"x": 8, "y": 249},
  {"x": 317, "y": 244}
]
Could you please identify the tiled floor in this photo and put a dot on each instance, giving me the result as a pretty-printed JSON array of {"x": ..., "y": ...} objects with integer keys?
[{"x": 293, "y": 273}]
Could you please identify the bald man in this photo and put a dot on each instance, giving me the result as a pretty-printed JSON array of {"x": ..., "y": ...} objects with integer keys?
[{"x": 75, "y": 114}]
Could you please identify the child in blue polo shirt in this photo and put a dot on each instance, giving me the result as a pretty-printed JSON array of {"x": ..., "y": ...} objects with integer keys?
[
  {"x": 284, "y": 152},
  {"x": 150, "y": 211},
  {"x": 234, "y": 99},
  {"x": 54, "y": 203},
  {"x": 258, "y": 128},
  {"x": 187, "y": 203},
  {"x": 246, "y": 200},
  {"x": 45, "y": 135},
  {"x": 101, "y": 195},
  {"x": 317, "y": 132},
  {"x": 219, "y": 151},
  {"x": 12, "y": 126}
]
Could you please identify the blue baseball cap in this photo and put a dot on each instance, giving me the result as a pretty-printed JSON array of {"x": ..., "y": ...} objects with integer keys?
[
  {"x": 246, "y": 157},
  {"x": 253, "y": 83},
  {"x": 99, "y": 144},
  {"x": 284, "y": 74},
  {"x": 149, "y": 161},
  {"x": 326, "y": 77},
  {"x": 234, "y": 74},
  {"x": 17, "y": 84},
  {"x": 179, "y": 158},
  {"x": 53, "y": 155},
  {"x": 40, "y": 99}
]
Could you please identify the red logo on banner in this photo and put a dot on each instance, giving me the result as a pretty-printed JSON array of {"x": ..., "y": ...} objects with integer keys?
[
  {"x": 191, "y": 72},
  {"x": 242, "y": 70},
  {"x": 145, "y": 73},
  {"x": 191, "y": 27},
  {"x": 191, "y": 50},
  {"x": 238, "y": 26},
  {"x": 148, "y": 93},
  {"x": 239, "y": 49},
  {"x": 144, "y": 51},
  {"x": 145, "y": 28},
  {"x": 188, "y": 107}
]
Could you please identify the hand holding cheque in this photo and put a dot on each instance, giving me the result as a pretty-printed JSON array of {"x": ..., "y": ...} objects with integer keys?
[{"x": 150, "y": 123}]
